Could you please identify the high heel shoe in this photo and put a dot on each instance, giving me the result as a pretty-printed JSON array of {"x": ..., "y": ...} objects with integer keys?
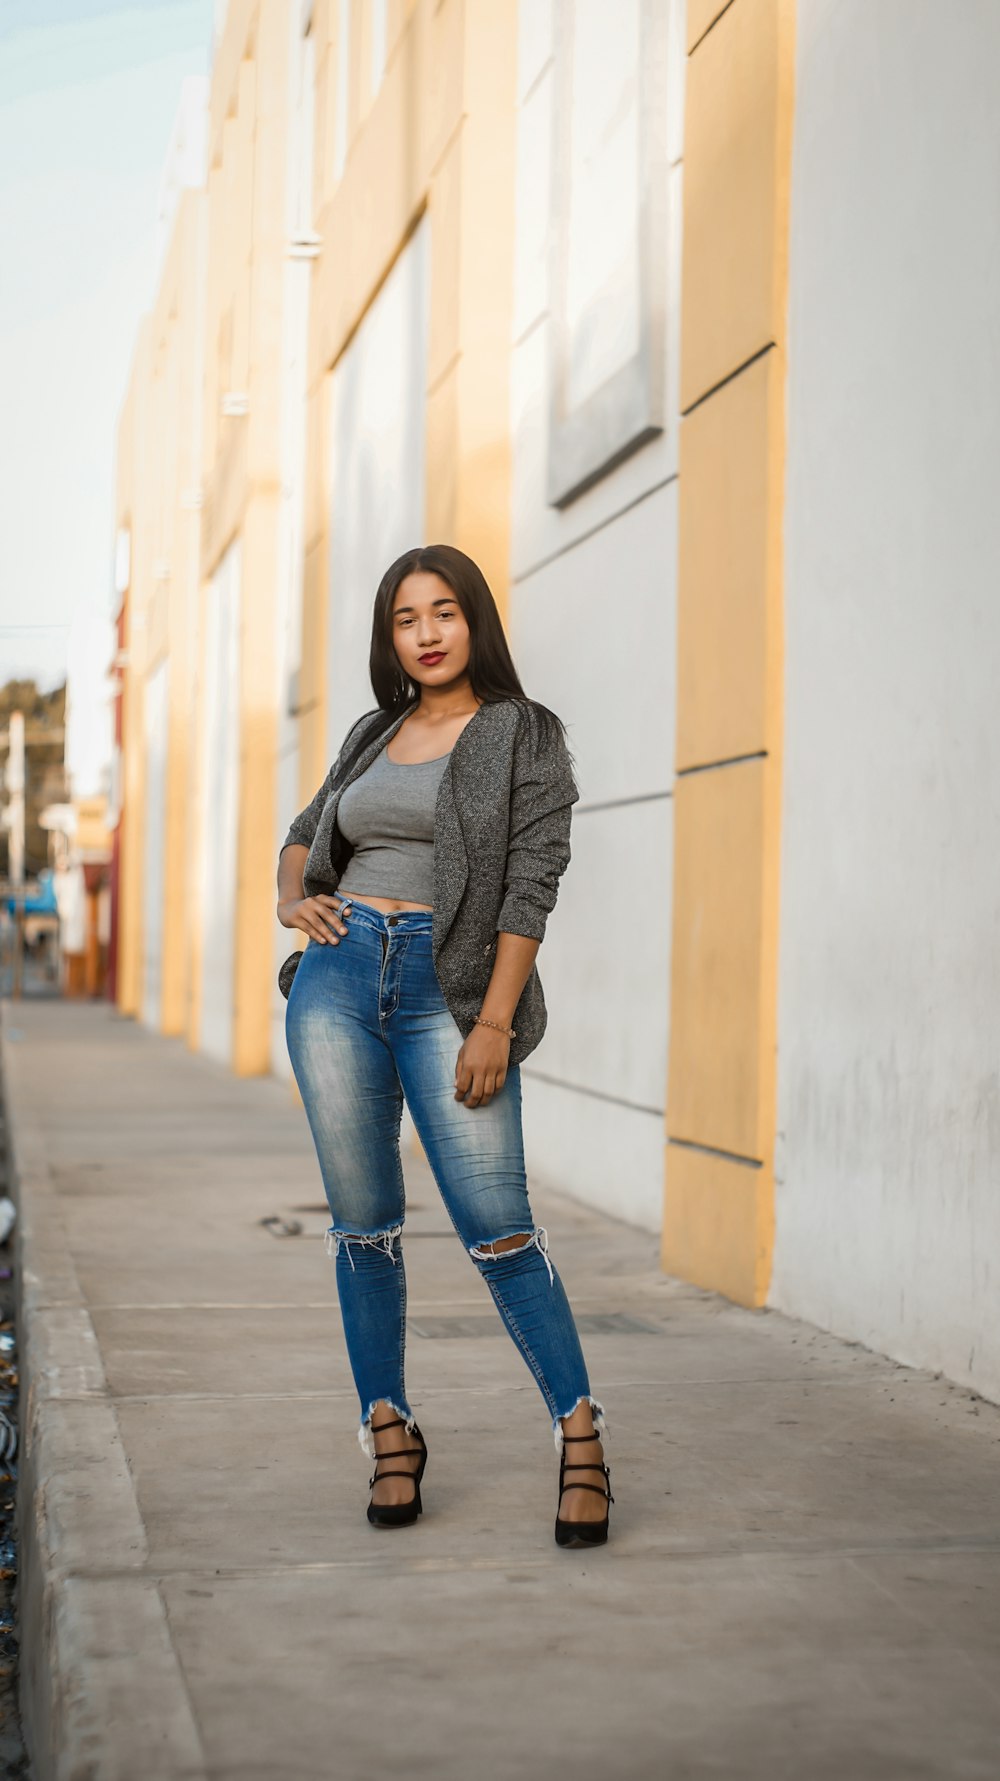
[
  {"x": 398, "y": 1514},
  {"x": 582, "y": 1533}
]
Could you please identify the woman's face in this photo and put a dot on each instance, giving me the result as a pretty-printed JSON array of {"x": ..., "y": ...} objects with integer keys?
[{"x": 427, "y": 621}]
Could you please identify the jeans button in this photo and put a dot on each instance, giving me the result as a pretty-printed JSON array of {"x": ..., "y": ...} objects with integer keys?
[{"x": 392, "y": 920}]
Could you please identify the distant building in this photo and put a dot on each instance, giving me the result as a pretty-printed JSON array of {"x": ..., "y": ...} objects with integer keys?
[
  {"x": 80, "y": 886},
  {"x": 44, "y": 715}
]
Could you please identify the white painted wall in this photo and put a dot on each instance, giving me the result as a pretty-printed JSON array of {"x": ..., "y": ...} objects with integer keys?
[
  {"x": 593, "y": 627},
  {"x": 220, "y": 780},
  {"x": 377, "y": 418},
  {"x": 888, "y": 1199},
  {"x": 154, "y": 816}
]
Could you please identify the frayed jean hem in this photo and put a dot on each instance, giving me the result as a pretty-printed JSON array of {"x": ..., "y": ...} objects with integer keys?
[
  {"x": 366, "y": 1439},
  {"x": 597, "y": 1411}
]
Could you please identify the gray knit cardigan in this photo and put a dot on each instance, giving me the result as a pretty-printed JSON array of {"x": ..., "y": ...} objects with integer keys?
[{"x": 501, "y": 845}]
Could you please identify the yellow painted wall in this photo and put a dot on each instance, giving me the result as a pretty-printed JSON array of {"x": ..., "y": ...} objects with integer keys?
[
  {"x": 132, "y": 516},
  {"x": 737, "y": 154},
  {"x": 177, "y": 322},
  {"x": 92, "y": 836},
  {"x": 719, "y": 1184},
  {"x": 729, "y": 620},
  {"x": 701, "y": 16}
]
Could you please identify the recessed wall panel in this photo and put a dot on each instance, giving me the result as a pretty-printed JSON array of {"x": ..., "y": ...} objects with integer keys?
[{"x": 377, "y": 457}]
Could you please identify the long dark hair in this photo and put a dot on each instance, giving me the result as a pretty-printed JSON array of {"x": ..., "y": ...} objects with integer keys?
[{"x": 492, "y": 673}]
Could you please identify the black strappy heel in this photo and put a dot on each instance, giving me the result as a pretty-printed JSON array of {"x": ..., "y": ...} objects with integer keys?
[
  {"x": 398, "y": 1514},
  {"x": 582, "y": 1533}
]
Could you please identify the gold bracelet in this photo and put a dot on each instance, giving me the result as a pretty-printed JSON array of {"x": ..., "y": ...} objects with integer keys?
[{"x": 495, "y": 1023}]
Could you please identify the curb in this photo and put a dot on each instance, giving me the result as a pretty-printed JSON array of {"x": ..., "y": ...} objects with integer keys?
[{"x": 102, "y": 1696}]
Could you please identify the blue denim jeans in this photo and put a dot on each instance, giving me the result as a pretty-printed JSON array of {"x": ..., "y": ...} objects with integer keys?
[{"x": 367, "y": 1026}]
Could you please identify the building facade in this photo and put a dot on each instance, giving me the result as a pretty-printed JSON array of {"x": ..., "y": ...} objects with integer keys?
[{"x": 633, "y": 304}]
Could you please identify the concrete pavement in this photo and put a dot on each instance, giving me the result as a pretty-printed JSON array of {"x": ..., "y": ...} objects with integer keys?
[{"x": 804, "y": 1573}]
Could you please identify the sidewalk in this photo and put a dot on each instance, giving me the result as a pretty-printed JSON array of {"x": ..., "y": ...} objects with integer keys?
[{"x": 804, "y": 1574}]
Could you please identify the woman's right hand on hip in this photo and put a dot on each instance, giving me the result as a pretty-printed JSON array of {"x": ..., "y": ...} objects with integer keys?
[{"x": 319, "y": 917}]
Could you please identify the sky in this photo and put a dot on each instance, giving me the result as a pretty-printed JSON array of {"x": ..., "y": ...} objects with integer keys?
[{"x": 89, "y": 90}]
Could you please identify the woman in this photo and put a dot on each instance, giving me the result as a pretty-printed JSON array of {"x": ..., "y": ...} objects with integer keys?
[{"x": 446, "y": 817}]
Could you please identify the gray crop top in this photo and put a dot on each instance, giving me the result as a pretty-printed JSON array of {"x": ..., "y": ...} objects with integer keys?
[{"x": 387, "y": 814}]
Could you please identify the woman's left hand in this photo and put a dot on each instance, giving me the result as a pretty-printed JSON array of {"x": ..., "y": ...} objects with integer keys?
[{"x": 481, "y": 1069}]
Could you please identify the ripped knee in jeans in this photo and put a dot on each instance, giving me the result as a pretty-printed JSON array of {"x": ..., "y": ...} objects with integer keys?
[
  {"x": 495, "y": 1250},
  {"x": 385, "y": 1242}
]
